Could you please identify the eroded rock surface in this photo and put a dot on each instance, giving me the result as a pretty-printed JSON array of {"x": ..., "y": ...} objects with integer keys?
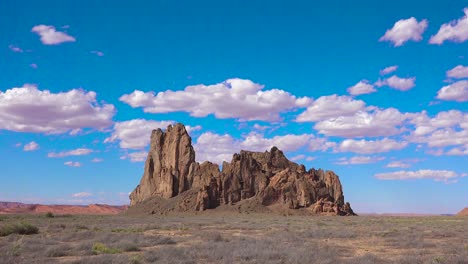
[{"x": 268, "y": 178}]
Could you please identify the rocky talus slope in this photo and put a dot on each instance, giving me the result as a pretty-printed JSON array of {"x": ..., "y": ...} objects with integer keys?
[{"x": 174, "y": 181}]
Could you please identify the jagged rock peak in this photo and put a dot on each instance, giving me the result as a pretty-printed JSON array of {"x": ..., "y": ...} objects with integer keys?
[
  {"x": 267, "y": 178},
  {"x": 169, "y": 166}
]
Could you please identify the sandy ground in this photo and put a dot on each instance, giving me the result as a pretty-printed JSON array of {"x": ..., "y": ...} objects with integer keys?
[{"x": 237, "y": 238}]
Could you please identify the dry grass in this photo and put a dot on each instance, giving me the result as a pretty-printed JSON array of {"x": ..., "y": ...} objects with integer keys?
[{"x": 231, "y": 238}]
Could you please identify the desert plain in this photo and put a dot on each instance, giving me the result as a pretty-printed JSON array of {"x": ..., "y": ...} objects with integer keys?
[{"x": 224, "y": 237}]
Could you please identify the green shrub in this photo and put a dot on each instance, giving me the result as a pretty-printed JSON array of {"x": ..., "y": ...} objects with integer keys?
[
  {"x": 49, "y": 215},
  {"x": 22, "y": 228},
  {"x": 100, "y": 248}
]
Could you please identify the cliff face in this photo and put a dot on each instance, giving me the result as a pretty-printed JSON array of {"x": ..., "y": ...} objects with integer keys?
[{"x": 267, "y": 177}]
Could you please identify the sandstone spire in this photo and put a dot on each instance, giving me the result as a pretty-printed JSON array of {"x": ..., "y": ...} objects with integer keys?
[{"x": 266, "y": 178}]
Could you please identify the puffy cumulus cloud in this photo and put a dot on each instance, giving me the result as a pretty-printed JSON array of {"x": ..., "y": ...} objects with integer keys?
[
  {"x": 443, "y": 137},
  {"x": 31, "y": 146},
  {"x": 28, "y": 109},
  {"x": 234, "y": 98},
  {"x": 398, "y": 164},
  {"x": 370, "y": 146},
  {"x": 364, "y": 124},
  {"x": 458, "y": 72},
  {"x": 457, "y": 91},
  {"x": 362, "y": 87},
  {"x": 218, "y": 148},
  {"x": 257, "y": 142},
  {"x": 404, "y": 30},
  {"x": 329, "y": 107},
  {"x": 456, "y": 31},
  {"x": 75, "y": 152},
  {"x": 397, "y": 83},
  {"x": 425, "y": 125},
  {"x": 72, "y": 163},
  {"x": 135, "y": 133},
  {"x": 96, "y": 160},
  {"x": 458, "y": 151},
  {"x": 388, "y": 70},
  {"x": 82, "y": 195},
  {"x": 215, "y": 148},
  {"x": 322, "y": 144},
  {"x": 50, "y": 36},
  {"x": 438, "y": 175},
  {"x": 359, "y": 160}
]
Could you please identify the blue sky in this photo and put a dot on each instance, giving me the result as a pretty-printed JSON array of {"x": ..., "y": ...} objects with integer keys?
[{"x": 376, "y": 91}]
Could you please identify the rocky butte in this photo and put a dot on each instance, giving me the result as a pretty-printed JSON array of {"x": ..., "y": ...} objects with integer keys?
[{"x": 252, "y": 182}]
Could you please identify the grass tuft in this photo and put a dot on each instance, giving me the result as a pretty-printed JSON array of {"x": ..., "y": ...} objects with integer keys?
[
  {"x": 100, "y": 248},
  {"x": 22, "y": 228}
]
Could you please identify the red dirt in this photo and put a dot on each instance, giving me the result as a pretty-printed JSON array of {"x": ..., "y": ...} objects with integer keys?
[{"x": 20, "y": 208}]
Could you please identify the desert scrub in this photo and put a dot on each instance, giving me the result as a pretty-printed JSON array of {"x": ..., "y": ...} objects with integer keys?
[
  {"x": 49, "y": 215},
  {"x": 100, "y": 248},
  {"x": 22, "y": 228}
]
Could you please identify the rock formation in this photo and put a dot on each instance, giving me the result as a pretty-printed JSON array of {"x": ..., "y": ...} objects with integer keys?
[
  {"x": 463, "y": 212},
  {"x": 268, "y": 178}
]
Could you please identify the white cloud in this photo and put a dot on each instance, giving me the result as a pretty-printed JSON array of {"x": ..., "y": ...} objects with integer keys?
[
  {"x": 362, "y": 87},
  {"x": 388, "y": 70},
  {"x": 458, "y": 72},
  {"x": 75, "y": 152},
  {"x": 456, "y": 31},
  {"x": 135, "y": 133},
  {"x": 15, "y": 48},
  {"x": 82, "y": 194},
  {"x": 370, "y": 146},
  {"x": 425, "y": 125},
  {"x": 459, "y": 151},
  {"x": 97, "y": 160},
  {"x": 359, "y": 160},
  {"x": 137, "y": 156},
  {"x": 260, "y": 127},
  {"x": 31, "y": 146},
  {"x": 404, "y": 30},
  {"x": 28, "y": 109},
  {"x": 321, "y": 144},
  {"x": 298, "y": 157},
  {"x": 364, "y": 124},
  {"x": 218, "y": 148},
  {"x": 443, "y": 138},
  {"x": 457, "y": 91},
  {"x": 256, "y": 142},
  {"x": 398, "y": 164},
  {"x": 330, "y": 106},
  {"x": 215, "y": 148},
  {"x": 50, "y": 36},
  {"x": 72, "y": 163},
  {"x": 438, "y": 175},
  {"x": 97, "y": 53},
  {"x": 397, "y": 83},
  {"x": 33, "y": 65},
  {"x": 234, "y": 98}
]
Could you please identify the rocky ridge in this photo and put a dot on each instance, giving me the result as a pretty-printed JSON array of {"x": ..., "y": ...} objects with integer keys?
[{"x": 174, "y": 181}]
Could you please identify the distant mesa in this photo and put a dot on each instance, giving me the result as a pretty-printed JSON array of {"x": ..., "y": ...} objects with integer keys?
[
  {"x": 94, "y": 209},
  {"x": 252, "y": 182},
  {"x": 463, "y": 212}
]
